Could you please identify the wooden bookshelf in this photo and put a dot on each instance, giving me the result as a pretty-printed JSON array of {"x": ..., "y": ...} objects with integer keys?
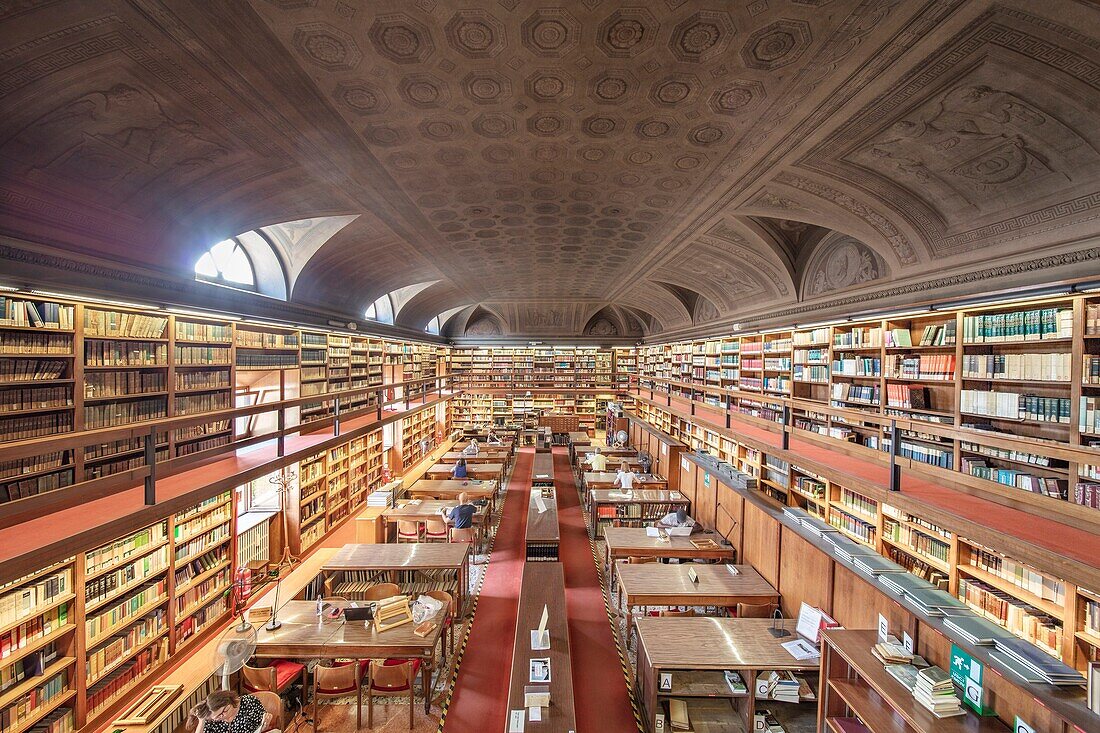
[{"x": 856, "y": 689}]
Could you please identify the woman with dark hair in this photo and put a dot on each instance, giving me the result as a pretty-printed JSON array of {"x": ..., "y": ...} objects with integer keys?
[
  {"x": 459, "y": 471},
  {"x": 224, "y": 711}
]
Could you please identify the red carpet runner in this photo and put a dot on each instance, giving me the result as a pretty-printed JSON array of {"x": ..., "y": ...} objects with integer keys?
[
  {"x": 480, "y": 698},
  {"x": 599, "y": 688}
]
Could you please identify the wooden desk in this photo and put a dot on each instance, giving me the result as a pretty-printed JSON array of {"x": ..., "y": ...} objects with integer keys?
[
  {"x": 643, "y": 505},
  {"x": 614, "y": 456},
  {"x": 429, "y": 509},
  {"x": 656, "y": 584},
  {"x": 543, "y": 535},
  {"x": 578, "y": 443},
  {"x": 543, "y": 585},
  {"x": 486, "y": 455},
  {"x": 623, "y": 542},
  {"x": 301, "y": 636},
  {"x": 699, "y": 649},
  {"x": 542, "y": 469},
  {"x": 613, "y": 465},
  {"x": 449, "y": 489},
  {"x": 370, "y": 527},
  {"x": 420, "y": 557},
  {"x": 482, "y": 471}
]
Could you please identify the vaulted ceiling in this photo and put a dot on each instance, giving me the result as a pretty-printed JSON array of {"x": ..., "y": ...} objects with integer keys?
[{"x": 599, "y": 167}]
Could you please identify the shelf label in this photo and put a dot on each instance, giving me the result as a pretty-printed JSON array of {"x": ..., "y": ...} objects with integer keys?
[
  {"x": 706, "y": 479},
  {"x": 883, "y": 628},
  {"x": 966, "y": 672},
  {"x": 1021, "y": 727}
]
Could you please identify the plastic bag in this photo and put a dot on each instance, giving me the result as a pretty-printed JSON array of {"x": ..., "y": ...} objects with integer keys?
[{"x": 425, "y": 607}]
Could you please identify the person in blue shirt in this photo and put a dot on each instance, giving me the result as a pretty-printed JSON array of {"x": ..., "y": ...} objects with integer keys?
[
  {"x": 461, "y": 518},
  {"x": 459, "y": 471}
]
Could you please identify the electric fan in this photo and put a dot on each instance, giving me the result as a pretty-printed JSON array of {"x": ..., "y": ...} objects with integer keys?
[
  {"x": 235, "y": 647},
  {"x": 621, "y": 437}
]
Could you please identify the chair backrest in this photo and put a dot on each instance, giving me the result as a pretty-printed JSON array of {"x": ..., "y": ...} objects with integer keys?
[
  {"x": 333, "y": 680},
  {"x": 380, "y": 591},
  {"x": 435, "y": 528},
  {"x": 441, "y": 595},
  {"x": 636, "y": 560},
  {"x": 390, "y": 676},
  {"x": 462, "y": 535},
  {"x": 273, "y": 706},
  {"x": 755, "y": 610},
  {"x": 260, "y": 678},
  {"x": 674, "y": 614},
  {"x": 408, "y": 529}
]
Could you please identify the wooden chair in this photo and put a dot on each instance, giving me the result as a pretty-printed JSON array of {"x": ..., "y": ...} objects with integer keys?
[
  {"x": 448, "y": 616},
  {"x": 341, "y": 679},
  {"x": 391, "y": 677},
  {"x": 276, "y": 677},
  {"x": 436, "y": 530},
  {"x": 463, "y": 535},
  {"x": 669, "y": 613},
  {"x": 756, "y": 610},
  {"x": 273, "y": 706},
  {"x": 408, "y": 531},
  {"x": 381, "y": 590},
  {"x": 636, "y": 560}
]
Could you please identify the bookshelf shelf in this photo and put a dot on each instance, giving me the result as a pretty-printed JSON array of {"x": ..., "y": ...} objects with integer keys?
[
  {"x": 105, "y": 671},
  {"x": 1017, "y": 592},
  {"x": 139, "y": 553},
  {"x": 55, "y": 703},
  {"x": 39, "y": 610},
  {"x": 12, "y": 694}
]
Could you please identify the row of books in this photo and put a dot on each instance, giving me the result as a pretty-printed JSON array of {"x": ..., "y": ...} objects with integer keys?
[
  {"x": 125, "y": 547},
  {"x": 200, "y": 445},
  {"x": 123, "y": 413},
  {"x": 800, "y": 338},
  {"x": 811, "y": 356},
  {"x": 1018, "y": 617},
  {"x": 33, "y": 464},
  {"x": 1019, "y": 575},
  {"x": 858, "y": 502},
  {"x": 857, "y": 366},
  {"x": 32, "y": 665},
  {"x": 1046, "y": 485},
  {"x": 853, "y": 525},
  {"x": 924, "y": 453},
  {"x": 125, "y": 353},
  {"x": 201, "y": 355},
  {"x": 1015, "y": 406},
  {"x": 120, "y": 646},
  {"x": 25, "y": 707},
  {"x": 918, "y": 542},
  {"x": 35, "y": 398},
  {"x": 117, "y": 683},
  {"x": 1087, "y": 493},
  {"x": 205, "y": 616},
  {"x": 35, "y": 314},
  {"x": 1052, "y": 367},
  {"x": 934, "y": 367},
  {"x": 197, "y": 431},
  {"x": 811, "y": 373},
  {"x": 919, "y": 568},
  {"x": 908, "y": 396},
  {"x": 119, "y": 465},
  {"x": 129, "y": 325},
  {"x": 188, "y": 331},
  {"x": 34, "y": 426},
  {"x": 23, "y": 488},
  {"x": 267, "y": 361},
  {"x": 777, "y": 384},
  {"x": 209, "y": 538},
  {"x": 205, "y": 379},
  {"x": 17, "y": 343},
  {"x": 201, "y": 564},
  {"x": 113, "y": 618},
  {"x": 196, "y": 594},
  {"x": 1089, "y": 418},
  {"x": 115, "y": 384},
  {"x": 938, "y": 334},
  {"x": 194, "y": 404},
  {"x": 102, "y": 587},
  {"x": 41, "y": 625},
  {"x": 864, "y": 394},
  {"x": 20, "y": 603},
  {"x": 858, "y": 338},
  {"x": 265, "y": 340},
  {"x": 1029, "y": 325},
  {"x": 26, "y": 370},
  {"x": 1008, "y": 454}
]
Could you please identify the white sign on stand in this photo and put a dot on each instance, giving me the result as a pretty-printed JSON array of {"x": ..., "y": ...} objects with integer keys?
[{"x": 540, "y": 637}]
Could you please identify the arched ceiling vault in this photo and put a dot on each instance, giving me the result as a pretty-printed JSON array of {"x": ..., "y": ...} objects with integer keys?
[{"x": 547, "y": 169}]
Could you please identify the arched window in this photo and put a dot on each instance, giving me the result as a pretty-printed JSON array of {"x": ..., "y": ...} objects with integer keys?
[
  {"x": 226, "y": 263},
  {"x": 433, "y": 326},
  {"x": 381, "y": 310}
]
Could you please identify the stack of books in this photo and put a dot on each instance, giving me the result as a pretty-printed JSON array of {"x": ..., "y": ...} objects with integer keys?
[
  {"x": 976, "y": 630},
  {"x": 876, "y": 565},
  {"x": 936, "y": 602},
  {"x": 889, "y": 653},
  {"x": 764, "y": 721},
  {"x": 783, "y": 686},
  {"x": 1016, "y": 653},
  {"x": 380, "y": 498},
  {"x": 935, "y": 691},
  {"x": 736, "y": 682}
]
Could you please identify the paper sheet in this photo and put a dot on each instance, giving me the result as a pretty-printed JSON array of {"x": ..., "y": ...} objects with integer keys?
[{"x": 801, "y": 650}]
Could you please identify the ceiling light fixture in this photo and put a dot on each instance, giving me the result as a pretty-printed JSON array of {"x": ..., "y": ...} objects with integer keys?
[
  {"x": 201, "y": 314},
  {"x": 103, "y": 301},
  {"x": 988, "y": 300}
]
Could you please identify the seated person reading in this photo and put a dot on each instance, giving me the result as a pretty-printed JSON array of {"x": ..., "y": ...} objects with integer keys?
[
  {"x": 597, "y": 461},
  {"x": 472, "y": 449},
  {"x": 461, "y": 518},
  {"x": 493, "y": 439},
  {"x": 678, "y": 518},
  {"x": 459, "y": 470},
  {"x": 624, "y": 479},
  {"x": 224, "y": 711}
]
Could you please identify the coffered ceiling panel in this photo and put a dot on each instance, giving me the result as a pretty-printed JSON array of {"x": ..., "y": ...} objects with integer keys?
[{"x": 549, "y": 162}]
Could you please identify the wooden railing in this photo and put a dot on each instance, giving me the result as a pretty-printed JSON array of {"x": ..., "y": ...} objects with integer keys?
[
  {"x": 12, "y": 512},
  {"x": 788, "y": 409}
]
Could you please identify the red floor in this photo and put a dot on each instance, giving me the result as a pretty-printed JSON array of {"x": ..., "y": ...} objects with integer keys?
[
  {"x": 480, "y": 698},
  {"x": 1077, "y": 544},
  {"x": 599, "y": 687}
]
